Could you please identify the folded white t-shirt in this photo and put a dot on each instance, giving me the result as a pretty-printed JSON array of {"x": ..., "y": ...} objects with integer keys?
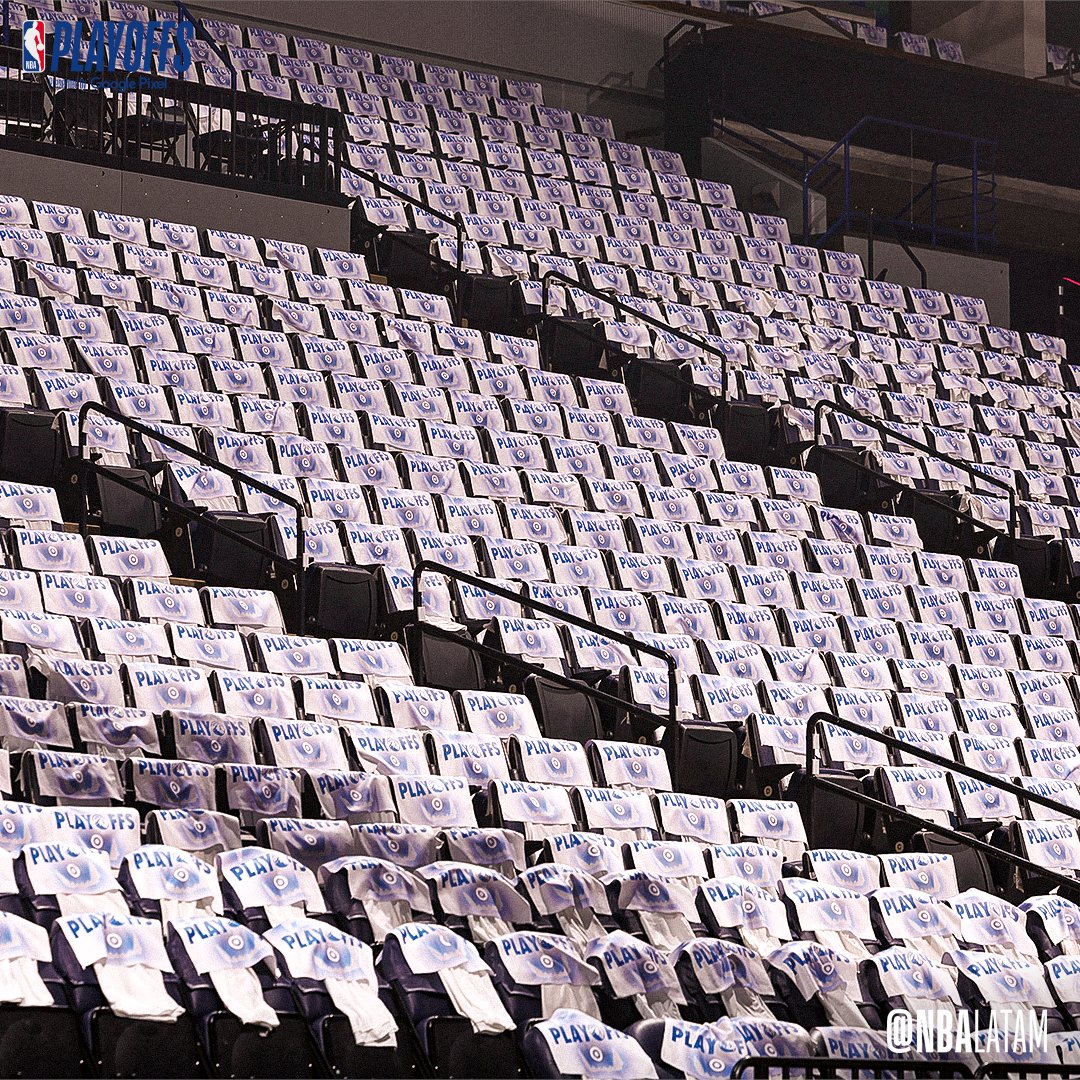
[
  {"x": 475, "y": 998},
  {"x": 137, "y": 992},
  {"x": 241, "y": 993}
]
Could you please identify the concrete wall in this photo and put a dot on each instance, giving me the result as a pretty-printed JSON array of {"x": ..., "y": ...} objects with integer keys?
[
  {"x": 1005, "y": 35},
  {"x": 949, "y": 271},
  {"x": 205, "y": 205}
]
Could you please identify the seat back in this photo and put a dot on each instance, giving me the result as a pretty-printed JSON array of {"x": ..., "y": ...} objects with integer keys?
[{"x": 563, "y": 712}]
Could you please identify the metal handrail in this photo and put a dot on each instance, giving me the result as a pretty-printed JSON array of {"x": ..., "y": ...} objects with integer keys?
[
  {"x": 1016, "y": 1070},
  {"x": 425, "y": 566},
  {"x": 760, "y": 147},
  {"x": 973, "y": 191},
  {"x": 663, "y": 368},
  {"x": 918, "y": 493},
  {"x": 890, "y": 742},
  {"x": 377, "y": 182},
  {"x": 771, "y": 1068},
  {"x": 963, "y": 466},
  {"x": 872, "y": 221},
  {"x": 850, "y": 35},
  {"x": 814, "y": 781},
  {"x": 295, "y": 565},
  {"x": 919, "y": 128},
  {"x": 695, "y": 24},
  {"x": 501, "y": 656},
  {"x": 844, "y": 143}
]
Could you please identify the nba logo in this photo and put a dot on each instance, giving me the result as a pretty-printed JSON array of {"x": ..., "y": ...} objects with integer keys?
[{"x": 33, "y": 45}]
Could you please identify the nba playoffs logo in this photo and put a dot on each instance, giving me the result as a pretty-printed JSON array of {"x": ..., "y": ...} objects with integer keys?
[
  {"x": 106, "y": 48},
  {"x": 33, "y": 46}
]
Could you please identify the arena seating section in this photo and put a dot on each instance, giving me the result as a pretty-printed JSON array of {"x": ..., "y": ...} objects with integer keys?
[
  {"x": 235, "y": 843},
  {"x": 867, "y": 32}
]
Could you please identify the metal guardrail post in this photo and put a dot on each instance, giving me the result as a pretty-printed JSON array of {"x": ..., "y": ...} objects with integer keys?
[
  {"x": 870, "y": 244},
  {"x": 845, "y": 143}
]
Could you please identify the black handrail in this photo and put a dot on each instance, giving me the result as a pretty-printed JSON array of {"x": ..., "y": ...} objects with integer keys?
[
  {"x": 425, "y": 566},
  {"x": 730, "y": 113},
  {"x": 377, "y": 182},
  {"x": 893, "y": 743},
  {"x": 890, "y": 742},
  {"x": 670, "y": 35},
  {"x": 501, "y": 656},
  {"x": 660, "y": 367},
  {"x": 923, "y": 495},
  {"x": 851, "y": 35},
  {"x": 295, "y": 566},
  {"x": 1034, "y": 1070},
  {"x": 977, "y": 187},
  {"x": 807, "y": 1068},
  {"x": 881, "y": 426},
  {"x": 872, "y": 221},
  {"x": 189, "y": 514}
]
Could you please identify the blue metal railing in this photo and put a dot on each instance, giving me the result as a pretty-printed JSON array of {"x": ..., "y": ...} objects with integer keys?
[{"x": 976, "y": 156}]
